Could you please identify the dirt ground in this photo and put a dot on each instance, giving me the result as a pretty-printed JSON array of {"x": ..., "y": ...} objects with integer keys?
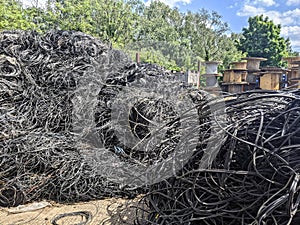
[{"x": 50, "y": 214}]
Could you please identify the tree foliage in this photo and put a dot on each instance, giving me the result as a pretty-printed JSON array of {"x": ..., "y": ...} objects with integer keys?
[
  {"x": 262, "y": 39},
  {"x": 12, "y": 16},
  {"x": 161, "y": 34}
]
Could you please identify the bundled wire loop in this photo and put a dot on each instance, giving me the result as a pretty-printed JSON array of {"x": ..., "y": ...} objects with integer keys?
[
  {"x": 254, "y": 178},
  {"x": 80, "y": 121}
]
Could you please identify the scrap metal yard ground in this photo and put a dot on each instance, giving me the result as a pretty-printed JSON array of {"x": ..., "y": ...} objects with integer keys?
[{"x": 44, "y": 216}]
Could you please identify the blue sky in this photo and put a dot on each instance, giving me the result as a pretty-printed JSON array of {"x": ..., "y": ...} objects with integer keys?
[{"x": 237, "y": 12}]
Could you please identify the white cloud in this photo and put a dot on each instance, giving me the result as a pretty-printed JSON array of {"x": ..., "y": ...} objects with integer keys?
[
  {"x": 234, "y": 5},
  {"x": 285, "y": 18},
  {"x": 249, "y": 10},
  {"x": 293, "y": 32},
  {"x": 171, "y": 3},
  {"x": 292, "y": 13},
  {"x": 289, "y": 20},
  {"x": 281, "y": 18},
  {"x": 264, "y": 2},
  {"x": 293, "y": 2}
]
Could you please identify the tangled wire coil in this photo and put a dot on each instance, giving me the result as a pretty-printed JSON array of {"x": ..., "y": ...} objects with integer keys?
[
  {"x": 77, "y": 118},
  {"x": 39, "y": 158},
  {"x": 58, "y": 140},
  {"x": 253, "y": 180}
]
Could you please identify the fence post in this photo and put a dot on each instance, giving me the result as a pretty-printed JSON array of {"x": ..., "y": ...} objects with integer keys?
[
  {"x": 198, "y": 75},
  {"x": 137, "y": 57}
]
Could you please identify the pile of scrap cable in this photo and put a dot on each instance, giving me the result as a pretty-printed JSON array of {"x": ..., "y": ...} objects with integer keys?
[
  {"x": 79, "y": 120},
  {"x": 252, "y": 174}
]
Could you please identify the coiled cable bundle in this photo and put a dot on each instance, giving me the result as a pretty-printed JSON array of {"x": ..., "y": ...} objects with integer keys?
[
  {"x": 254, "y": 178},
  {"x": 81, "y": 121}
]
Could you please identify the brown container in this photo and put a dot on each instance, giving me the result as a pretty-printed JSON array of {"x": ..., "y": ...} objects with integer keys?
[
  {"x": 234, "y": 76},
  {"x": 291, "y": 61},
  {"x": 271, "y": 78},
  {"x": 293, "y": 78},
  {"x": 238, "y": 65},
  {"x": 271, "y": 81}
]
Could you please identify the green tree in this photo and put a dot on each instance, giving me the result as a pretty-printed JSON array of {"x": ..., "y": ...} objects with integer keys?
[
  {"x": 161, "y": 34},
  {"x": 69, "y": 15},
  {"x": 182, "y": 38},
  {"x": 158, "y": 36},
  {"x": 111, "y": 20},
  {"x": 158, "y": 22},
  {"x": 13, "y": 16},
  {"x": 207, "y": 36},
  {"x": 262, "y": 39},
  {"x": 206, "y": 33},
  {"x": 37, "y": 19},
  {"x": 230, "y": 51}
]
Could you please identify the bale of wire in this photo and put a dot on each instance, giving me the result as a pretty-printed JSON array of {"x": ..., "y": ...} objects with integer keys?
[
  {"x": 144, "y": 115},
  {"x": 80, "y": 121},
  {"x": 40, "y": 156},
  {"x": 254, "y": 178},
  {"x": 66, "y": 101}
]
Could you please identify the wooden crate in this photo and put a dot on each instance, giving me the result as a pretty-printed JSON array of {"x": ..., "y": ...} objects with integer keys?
[
  {"x": 239, "y": 65},
  {"x": 291, "y": 61},
  {"x": 234, "y": 76},
  {"x": 271, "y": 81},
  {"x": 293, "y": 77}
]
